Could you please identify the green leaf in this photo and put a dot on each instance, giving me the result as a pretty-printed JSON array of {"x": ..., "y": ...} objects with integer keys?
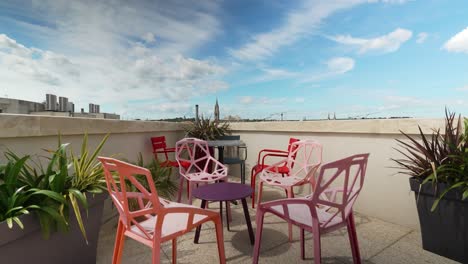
[
  {"x": 18, "y": 222},
  {"x": 51, "y": 194},
  {"x": 465, "y": 194},
  {"x": 79, "y": 219}
]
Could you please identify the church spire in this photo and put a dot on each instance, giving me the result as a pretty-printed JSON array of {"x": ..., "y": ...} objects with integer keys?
[{"x": 216, "y": 110}]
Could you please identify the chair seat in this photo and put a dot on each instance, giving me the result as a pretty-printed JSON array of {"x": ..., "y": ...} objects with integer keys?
[
  {"x": 277, "y": 179},
  {"x": 233, "y": 161},
  {"x": 173, "y": 223},
  {"x": 204, "y": 177},
  {"x": 301, "y": 214},
  {"x": 281, "y": 169}
]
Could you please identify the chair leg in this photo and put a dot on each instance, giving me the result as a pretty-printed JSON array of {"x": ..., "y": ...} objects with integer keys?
[
  {"x": 290, "y": 194},
  {"x": 181, "y": 186},
  {"x": 260, "y": 192},
  {"x": 258, "y": 236},
  {"x": 119, "y": 243},
  {"x": 242, "y": 167},
  {"x": 253, "y": 185},
  {"x": 220, "y": 240},
  {"x": 302, "y": 244},
  {"x": 156, "y": 252},
  {"x": 174, "y": 251},
  {"x": 228, "y": 214},
  {"x": 190, "y": 188},
  {"x": 353, "y": 239},
  {"x": 317, "y": 246}
]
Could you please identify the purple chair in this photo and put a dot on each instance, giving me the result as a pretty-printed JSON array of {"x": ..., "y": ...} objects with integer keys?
[{"x": 326, "y": 210}]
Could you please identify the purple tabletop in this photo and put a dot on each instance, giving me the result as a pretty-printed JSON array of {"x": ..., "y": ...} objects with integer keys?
[{"x": 223, "y": 191}]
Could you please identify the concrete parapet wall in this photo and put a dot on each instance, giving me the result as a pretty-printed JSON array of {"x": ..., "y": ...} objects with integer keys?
[{"x": 386, "y": 195}]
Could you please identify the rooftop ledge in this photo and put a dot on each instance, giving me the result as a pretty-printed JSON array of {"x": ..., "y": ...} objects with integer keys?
[{"x": 36, "y": 126}]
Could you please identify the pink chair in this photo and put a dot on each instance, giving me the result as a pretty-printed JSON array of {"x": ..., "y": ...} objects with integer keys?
[
  {"x": 203, "y": 167},
  {"x": 329, "y": 208},
  {"x": 151, "y": 220},
  {"x": 261, "y": 165},
  {"x": 301, "y": 164}
]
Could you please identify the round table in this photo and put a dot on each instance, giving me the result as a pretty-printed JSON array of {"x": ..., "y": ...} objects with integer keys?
[{"x": 225, "y": 192}]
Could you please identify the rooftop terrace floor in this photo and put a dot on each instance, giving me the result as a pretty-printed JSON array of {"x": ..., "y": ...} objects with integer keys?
[{"x": 379, "y": 241}]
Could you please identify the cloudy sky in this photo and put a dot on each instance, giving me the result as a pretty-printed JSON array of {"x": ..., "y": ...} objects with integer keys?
[{"x": 156, "y": 59}]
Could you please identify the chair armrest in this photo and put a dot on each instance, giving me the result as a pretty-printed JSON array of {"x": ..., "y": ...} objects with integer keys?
[
  {"x": 270, "y": 151},
  {"x": 273, "y": 155}
]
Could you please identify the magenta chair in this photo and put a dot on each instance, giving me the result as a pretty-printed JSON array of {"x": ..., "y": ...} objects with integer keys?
[
  {"x": 152, "y": 220},
  {"x": 329, "y": 208}
]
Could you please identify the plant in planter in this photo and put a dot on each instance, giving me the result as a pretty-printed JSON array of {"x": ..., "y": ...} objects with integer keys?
[
  {"x": 207, "y": 129},
  {"x": 58, "y": 190},
  {"x": 438, "y": 166}
]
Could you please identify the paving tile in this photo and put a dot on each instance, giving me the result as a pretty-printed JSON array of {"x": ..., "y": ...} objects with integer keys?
[
  {"x": 408, "y": 250},
  {"x": 379, "y": 241}
]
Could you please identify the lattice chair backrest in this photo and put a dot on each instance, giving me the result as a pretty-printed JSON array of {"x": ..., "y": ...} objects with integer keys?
[
  {"x": 339, "y": 184},
  {"x": 292, "y": 147},
  {"x": 304, "y": 159},
  {"x": 132, "y": 190},
  {"x": 302, "y": 162},
  {"x": 196, "y": 152}
]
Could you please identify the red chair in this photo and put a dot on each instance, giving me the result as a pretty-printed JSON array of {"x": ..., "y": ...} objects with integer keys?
[
  {"x": 160, "y": 149},
  {"x": 147, "y": 218},
  {"x": 265, "y": 153}
]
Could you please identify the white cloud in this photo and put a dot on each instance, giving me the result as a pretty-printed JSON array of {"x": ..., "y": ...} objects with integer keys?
[
  {"x": 149, "y": 37},
  {"x": 298, "y": 23},
  {"x": 94, "y": 55},
  {"x": 29, "y": 73},
  {"x": 340, "y": 65},
  {"x": 246, "y": 100},
  {"x": 462, "y": 89},
  {"x": 422, "y": 37},
  {"x": 458, "y": 43},
  {"x": 385, "y": 44}
]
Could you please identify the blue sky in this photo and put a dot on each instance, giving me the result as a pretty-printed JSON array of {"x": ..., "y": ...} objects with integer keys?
[{"x": 305, "y": 59}]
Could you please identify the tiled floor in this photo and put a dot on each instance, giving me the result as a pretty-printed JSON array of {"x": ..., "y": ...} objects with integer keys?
[{"x": 379, "y": 241}]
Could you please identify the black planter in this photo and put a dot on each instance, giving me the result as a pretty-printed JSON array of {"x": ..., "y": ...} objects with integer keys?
[
  {"x": 18, "y": 246},
  {"x": 444, "y": 231}
]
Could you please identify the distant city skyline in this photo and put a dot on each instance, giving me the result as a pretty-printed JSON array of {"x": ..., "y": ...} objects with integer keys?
[{"x": 304, "y": 59}]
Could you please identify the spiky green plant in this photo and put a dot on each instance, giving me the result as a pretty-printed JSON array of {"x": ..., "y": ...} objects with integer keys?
[
  {"x": 161, "y": 177},
  {"x": 17, "y": 199},
  {"x": 438, "y": 158},
  {"x": 65, "y": 180},
  {"x": 207, "y": 129}
]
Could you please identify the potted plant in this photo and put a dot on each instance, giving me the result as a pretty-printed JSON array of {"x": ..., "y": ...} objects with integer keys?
[
  {"x": 207, "y": 129},
  {"x": 438, "y": 166},
  {"x": 65, "y": 195}
]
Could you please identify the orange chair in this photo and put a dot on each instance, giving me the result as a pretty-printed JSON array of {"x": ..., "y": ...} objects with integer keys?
[
  {"x": 265, "y": 153},
  {"x": 155, "y": 220}
]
